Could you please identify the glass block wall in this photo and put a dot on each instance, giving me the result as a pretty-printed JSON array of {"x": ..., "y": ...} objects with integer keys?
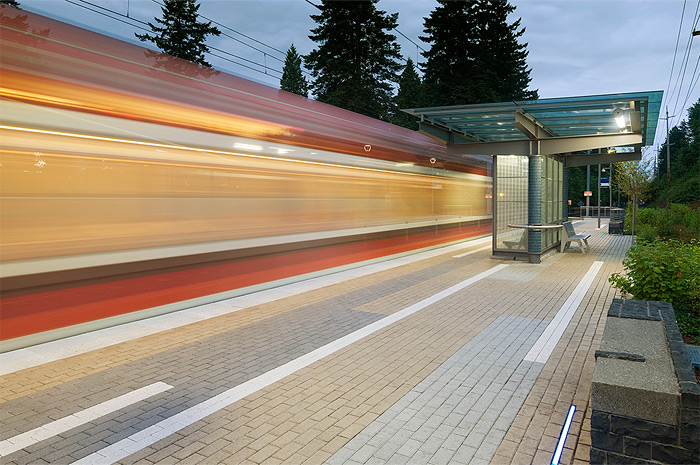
[
  {"x": 511, "y": 201},
  {"x": 552, "y": 199},
  {"x": 510, "y": 198}
]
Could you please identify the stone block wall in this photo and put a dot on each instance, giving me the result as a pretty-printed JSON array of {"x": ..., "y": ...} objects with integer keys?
[{"x": 645, "y": 399}]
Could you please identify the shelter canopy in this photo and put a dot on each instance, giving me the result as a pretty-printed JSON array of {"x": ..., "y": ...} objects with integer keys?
[{"x": 546, "y": 126}]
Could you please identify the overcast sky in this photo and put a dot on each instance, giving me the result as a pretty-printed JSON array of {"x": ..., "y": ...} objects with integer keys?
[{"x": 577, "y": 47}]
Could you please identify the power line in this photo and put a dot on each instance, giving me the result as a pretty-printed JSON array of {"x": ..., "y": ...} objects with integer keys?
[
  {"x": 686, "y": 60},
  {"x": 675, "y": 52},
  {"x": 105, "y": 14},
  {"x": 117, "y": 16},
  {"x": 264, "y": 66},
  {"x": 677, "y": 88},
  {"x": 237, "y": 32},
  {"x": 691, "y": 85},
  {"x": 393, "y": 29}
]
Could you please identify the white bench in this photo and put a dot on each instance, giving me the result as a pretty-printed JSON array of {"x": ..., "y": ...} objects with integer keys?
[{"x": 570, "y": 235}]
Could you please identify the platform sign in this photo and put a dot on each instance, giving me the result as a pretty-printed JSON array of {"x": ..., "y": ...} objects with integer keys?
[
  {"x": 588, "y": 193},
  {"x": 604, "y": 181}
]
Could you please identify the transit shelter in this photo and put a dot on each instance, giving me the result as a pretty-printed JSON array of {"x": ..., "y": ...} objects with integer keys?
[{"x": 531, "y": 143}]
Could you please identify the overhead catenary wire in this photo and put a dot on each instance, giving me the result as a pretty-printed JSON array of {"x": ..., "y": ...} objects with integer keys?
[
  {"x": 157, "y": 2},
  {"x": 691, "y": 85},
  {"x": 675, "y": 87},
  {"x": 84, "y": 3},
  {"x": 680, "y": 79},
  {"x": 130, "y": 20},
  {"x": 675, "y": 51}
]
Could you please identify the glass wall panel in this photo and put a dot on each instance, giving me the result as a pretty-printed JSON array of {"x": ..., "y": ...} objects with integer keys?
[
  {"x": 553, "y": 185},
  {"x": 511, "y": 201}
]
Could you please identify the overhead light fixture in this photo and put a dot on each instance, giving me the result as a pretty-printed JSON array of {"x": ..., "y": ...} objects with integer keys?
[{"x": 620, "y": 118}]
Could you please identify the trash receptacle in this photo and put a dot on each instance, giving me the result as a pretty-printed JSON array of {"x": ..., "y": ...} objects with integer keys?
[{"x": 617, "y": 221}]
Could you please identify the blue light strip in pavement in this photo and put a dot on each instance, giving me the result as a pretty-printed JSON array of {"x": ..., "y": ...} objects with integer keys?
[{"x": 562, "y": 436}]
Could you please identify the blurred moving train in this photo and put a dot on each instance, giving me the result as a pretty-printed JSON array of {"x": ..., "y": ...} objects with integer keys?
[{"x": 132, "y": 180}]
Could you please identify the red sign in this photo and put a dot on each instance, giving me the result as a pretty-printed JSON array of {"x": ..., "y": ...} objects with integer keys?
[{"x": 588, "y": 193}]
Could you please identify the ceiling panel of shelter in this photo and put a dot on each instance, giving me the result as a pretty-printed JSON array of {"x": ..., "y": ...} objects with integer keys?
[{"x": 563, "y": 117}]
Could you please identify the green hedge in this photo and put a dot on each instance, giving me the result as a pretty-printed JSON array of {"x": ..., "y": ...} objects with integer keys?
[
  {"x": 665, "y": 270},
  {"x": 677, "y": 221}
]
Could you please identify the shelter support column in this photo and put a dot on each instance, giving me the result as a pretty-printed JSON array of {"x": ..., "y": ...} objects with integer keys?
[
  {"x": 534, "y": 208},
  {"x": 565, "y": 208}
]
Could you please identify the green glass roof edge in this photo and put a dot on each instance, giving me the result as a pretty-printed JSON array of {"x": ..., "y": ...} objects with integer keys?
[{"x": 569, "y": 104}]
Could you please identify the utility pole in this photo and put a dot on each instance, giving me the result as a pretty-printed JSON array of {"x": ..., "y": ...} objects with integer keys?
[
  {"x": 610, "y": 190},
  {"x": 588, "y": 187},
  {"x": 668, "y": 152},
  {"x": 598, "y": 195}
]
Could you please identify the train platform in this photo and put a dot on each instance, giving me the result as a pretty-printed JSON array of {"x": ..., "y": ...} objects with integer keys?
[{"x": 447, "y": 356}]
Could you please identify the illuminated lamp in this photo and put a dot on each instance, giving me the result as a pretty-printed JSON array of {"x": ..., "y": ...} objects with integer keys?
[{"x": 620, "y": 118}]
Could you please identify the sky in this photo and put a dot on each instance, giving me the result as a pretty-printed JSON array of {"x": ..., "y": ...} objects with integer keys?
[{"x": 576, "y": 47}]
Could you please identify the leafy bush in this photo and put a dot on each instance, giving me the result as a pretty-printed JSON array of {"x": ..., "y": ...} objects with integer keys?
[
  {"x": 649, "y": 216},
  {"x": 677, "y": 221},
  {"x": 689, "y": 325},
  {"x": 645, "y": 233},
  {"x": 665, "y": 270}
]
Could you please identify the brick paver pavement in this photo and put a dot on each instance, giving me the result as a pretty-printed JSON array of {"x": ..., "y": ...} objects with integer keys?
[{"x": 428, "y": 361}]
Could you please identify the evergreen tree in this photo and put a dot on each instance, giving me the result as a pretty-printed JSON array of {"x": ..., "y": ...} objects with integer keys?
[
  {"x": 10, "y": 2},
  {"x": 475, "y": 56},
  {"x": 355, "y": 63},
  {"x": 180, "y": 34},
  {"x": 292, "y": 77},
  {"x": 409, "y": 96},
  {"x": 450, "y": 66}
]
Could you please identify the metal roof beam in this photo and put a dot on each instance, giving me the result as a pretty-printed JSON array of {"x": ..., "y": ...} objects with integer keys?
[
  {"x": 530, "y": 127},
  {"x": 443, "y": 134},
  {"x": 600, "y": 158},
  {"x": 551, "y": 146}
]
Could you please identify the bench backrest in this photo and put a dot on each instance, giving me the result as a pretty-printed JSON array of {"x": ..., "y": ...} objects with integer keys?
[{"x": 569, "y": 228}]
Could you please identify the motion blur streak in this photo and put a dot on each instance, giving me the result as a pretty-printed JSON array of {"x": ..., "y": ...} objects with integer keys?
[{"x": 133, "y": 183}]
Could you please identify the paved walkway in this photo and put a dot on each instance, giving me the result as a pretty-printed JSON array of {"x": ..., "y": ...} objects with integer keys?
[{"x": 447, "y": 356}]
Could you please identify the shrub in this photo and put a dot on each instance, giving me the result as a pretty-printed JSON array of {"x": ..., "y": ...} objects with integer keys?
[
  {"x": 645, "y": 233},
  {"x": 665, "y": 270},
  {"x": 677, "y": 221},
  {"x": 649, "y": 216},
  {"x": 689, "y": 325}
]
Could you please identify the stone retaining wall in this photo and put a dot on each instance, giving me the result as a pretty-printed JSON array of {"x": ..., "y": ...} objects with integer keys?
[{"x": 645, "y": 398}]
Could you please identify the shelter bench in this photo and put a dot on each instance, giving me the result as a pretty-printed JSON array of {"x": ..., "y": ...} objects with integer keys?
[{"x": 570, "y": 235}]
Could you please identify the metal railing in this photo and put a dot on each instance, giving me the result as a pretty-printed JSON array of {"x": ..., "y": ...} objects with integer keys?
[{"x": 592, "y": 211}]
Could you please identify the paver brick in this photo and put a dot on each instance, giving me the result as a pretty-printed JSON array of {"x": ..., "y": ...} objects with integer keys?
[{"x": 357, "y": 386}]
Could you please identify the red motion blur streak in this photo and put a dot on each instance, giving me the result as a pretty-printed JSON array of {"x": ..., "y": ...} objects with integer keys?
[{"x": 66, "y": 307}]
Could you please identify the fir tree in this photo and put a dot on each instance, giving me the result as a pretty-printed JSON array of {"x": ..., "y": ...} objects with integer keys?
[
  {"x": 475, "y": 56},
  {"x": 355, "y": 64},
  {"x": 450, "y": 65},
  {"x": 292, "y": 77},
  {"x": 180, "y": 34},
  {"x": 409, "y": 96},
  {"x": 505, "y": 56}
]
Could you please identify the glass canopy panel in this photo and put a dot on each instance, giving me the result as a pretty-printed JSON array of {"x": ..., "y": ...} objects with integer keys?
[{"x": 570, "y": 116}]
